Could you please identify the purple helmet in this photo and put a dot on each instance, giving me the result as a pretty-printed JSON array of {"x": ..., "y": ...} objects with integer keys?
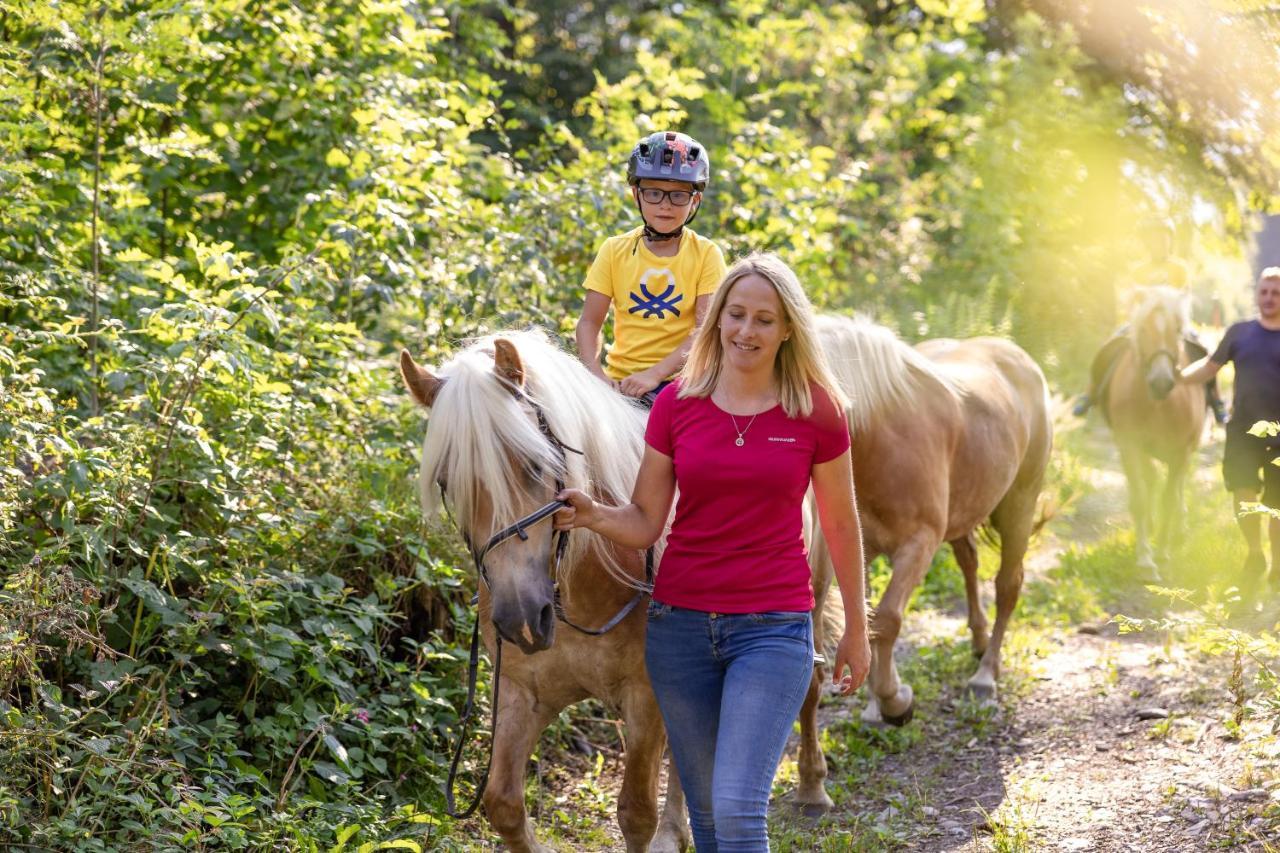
[{"x": 669, "y": 156}]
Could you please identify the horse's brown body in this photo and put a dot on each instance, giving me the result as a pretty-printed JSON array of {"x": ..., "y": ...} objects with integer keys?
[
  {"x": 1155, "y": 419},
  {"x": 967, "y": 445},
  {"x": 482, "y": 410},
  {"x": 535, "y": 688}
]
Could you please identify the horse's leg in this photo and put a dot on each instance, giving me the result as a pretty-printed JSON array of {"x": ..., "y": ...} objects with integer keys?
[
  {"x": 1173, "y": 508},
  {"x": 966, "y": 551},
  {"x": 1139, "y": 472},
  {"x": 891, "y": 700},
  {"x": 811, "y": 794},
  {"x": 638, "y": 798},
  {"x": 520, "y": 722},
  {"x": 673, "y": 827},
  {"x": 1014, "y": 519}
]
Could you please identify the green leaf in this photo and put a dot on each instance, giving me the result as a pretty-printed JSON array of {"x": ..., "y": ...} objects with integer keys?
[
  {"x": 98, "y": 745},
  {"x": 343, "y": 836},
  {"x": 336, "y": 748}
]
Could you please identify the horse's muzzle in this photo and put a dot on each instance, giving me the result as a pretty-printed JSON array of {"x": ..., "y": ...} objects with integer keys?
[
  {"x": 1160, "y": 386},
  {"x": 530, "y": 633}
]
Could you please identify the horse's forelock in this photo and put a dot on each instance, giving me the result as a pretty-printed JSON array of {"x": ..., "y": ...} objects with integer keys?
[
  {"x": 478, "y": 426},
  {"x": 1169, "y": 300},
  {"x": 477, "y": 434}
]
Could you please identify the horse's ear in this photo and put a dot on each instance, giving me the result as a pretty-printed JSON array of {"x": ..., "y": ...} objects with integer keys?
[
  {"x": 421, "y": 384},
  {"x": 507, "y": 363}
]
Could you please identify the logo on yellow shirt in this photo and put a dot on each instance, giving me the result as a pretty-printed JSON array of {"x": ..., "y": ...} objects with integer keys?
[{"x": 656, "y": 305}]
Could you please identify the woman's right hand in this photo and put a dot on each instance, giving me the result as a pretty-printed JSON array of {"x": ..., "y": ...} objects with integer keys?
[
  {"x": 580, "y": 512},
  {"x": 853, "y": 656}
]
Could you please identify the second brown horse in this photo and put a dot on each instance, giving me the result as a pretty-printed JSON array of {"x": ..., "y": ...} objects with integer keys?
[{"x": 947, "y": 437}]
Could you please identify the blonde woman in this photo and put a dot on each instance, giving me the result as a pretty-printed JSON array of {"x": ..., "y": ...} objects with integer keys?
[{"x": 754, "y": 419}]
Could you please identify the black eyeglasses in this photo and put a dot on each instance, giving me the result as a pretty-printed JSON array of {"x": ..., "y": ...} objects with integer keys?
[{"x": 679, "y": 198}]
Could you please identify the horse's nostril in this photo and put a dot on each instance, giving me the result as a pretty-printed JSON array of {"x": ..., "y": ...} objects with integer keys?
[{"x": 546, "y": 623}]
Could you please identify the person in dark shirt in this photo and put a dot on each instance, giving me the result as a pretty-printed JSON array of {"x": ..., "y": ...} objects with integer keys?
[{"x": 1254, "y": 347}]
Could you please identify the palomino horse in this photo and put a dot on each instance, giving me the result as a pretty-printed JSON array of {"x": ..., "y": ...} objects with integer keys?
[
  {"x": 1154, "y": 417},
  {"x": 946, "y": 437},
  {"x": 503, "y": 413}
]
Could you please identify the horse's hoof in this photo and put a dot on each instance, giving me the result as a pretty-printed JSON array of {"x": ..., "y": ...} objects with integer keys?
[
  {"x": 669, "y": 844},
  {"x": 876, "y": 715},
  {"x": 814, "y": 811},
  {"x": 981, "y": 692},
  {"x": 871, "y": 716},
  {"x": 813, "y": 801},
  {"x": 899, "y": 720}
]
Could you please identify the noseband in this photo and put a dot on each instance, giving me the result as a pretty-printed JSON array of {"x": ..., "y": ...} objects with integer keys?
[
  {"x": 1150, "y": 360},
  {"x": 518, "y": 528}
]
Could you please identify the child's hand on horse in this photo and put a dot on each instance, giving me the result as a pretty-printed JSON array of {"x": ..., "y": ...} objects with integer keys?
[{"x": 638, "y": 384}]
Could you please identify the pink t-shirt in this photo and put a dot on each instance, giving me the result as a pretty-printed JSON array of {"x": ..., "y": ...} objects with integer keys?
[{"x": 736, "y": 544}]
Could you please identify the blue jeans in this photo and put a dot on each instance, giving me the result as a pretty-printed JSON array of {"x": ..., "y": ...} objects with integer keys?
[{"x": 729, "y": 686}]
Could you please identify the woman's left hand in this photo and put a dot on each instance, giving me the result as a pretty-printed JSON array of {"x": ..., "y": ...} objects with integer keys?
[{"x": 853, "y": 654}]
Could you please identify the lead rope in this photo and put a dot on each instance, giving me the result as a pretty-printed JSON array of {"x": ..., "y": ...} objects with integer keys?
[{"x": 473, "y": 669}]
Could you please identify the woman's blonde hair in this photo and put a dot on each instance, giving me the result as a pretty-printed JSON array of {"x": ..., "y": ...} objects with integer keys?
[{"x": 799, "y": 363}]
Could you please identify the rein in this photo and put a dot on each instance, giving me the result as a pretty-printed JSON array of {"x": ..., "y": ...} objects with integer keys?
[{"x": 473, "y": 666}]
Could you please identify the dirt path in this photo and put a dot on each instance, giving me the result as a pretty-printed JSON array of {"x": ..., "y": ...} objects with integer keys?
[
  {"x": 1102, "y": 742},
  {"x": 1112, "y": 743},
  {"x": 1072, "y": 765}
]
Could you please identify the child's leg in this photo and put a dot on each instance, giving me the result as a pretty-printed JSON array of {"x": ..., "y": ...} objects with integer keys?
[{"x": 1099, "y": 369}]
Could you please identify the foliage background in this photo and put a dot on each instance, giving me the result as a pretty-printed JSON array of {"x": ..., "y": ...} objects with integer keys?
[{"x": 222, "y": 623}]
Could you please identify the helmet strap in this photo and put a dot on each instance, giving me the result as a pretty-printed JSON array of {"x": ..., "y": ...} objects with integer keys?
[{"x": 657, "y": 236}]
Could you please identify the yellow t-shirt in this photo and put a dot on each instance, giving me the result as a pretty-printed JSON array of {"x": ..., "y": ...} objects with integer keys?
[{"x": 653, "y": 297}]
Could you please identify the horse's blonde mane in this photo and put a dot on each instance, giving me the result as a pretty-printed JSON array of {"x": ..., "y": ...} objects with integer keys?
[
  {"x": 478, "y": 428},
  {"x": 873, "y": 367},
  {"x": 1155, "y": 297}
]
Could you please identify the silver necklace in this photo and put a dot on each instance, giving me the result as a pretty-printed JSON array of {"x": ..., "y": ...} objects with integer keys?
[{"x": 741, "y": 432}]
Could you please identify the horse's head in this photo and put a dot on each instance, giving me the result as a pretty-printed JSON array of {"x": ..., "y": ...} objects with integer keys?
[
  {"x": 1157, "y": 329},
  {"x": 490, "y": 454}
]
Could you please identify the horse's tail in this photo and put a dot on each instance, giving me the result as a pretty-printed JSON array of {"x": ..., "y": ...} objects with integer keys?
[{"x": 1047, "y": 509}]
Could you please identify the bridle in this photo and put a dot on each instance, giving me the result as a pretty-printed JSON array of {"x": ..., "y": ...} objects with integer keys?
[
  {"x": 1150, "y": 360},
  {"x": 518, "y": 528}
]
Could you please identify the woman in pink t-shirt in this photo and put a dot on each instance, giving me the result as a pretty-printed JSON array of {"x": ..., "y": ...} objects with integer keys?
[{"x": 754, "y": 419}]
